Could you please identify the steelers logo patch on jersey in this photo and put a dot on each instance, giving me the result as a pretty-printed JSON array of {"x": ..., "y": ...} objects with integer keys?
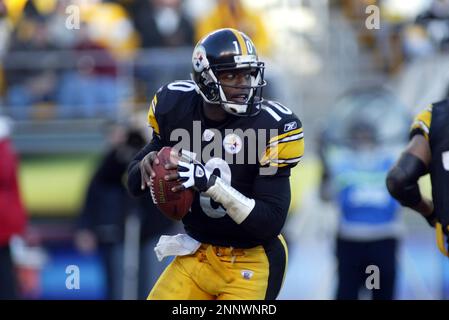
[
  {"x": 208, "y": 135},
  {"x": 232, "y": 143}
]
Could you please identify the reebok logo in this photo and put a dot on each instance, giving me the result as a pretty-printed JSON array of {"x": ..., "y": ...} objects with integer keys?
[{"x": 290, "y": 126}]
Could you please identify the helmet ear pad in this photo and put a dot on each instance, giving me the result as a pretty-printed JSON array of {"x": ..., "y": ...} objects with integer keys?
[{"x": 211, "y": 87}]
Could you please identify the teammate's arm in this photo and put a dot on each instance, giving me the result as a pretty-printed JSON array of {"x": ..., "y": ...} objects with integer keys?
[{"x": 402, "y": 179}]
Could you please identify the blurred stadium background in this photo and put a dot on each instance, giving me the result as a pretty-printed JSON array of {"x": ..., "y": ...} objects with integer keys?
[{"x": 65, "y": 86}]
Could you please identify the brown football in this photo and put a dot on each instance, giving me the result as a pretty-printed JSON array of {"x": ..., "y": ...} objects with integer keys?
[{"x": 174, "y": 205}]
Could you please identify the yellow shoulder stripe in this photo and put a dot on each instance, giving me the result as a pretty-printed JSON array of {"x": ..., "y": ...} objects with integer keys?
[
  {"x": 283, "y": 154},
  {"x": 284, "y": 135},
  {"x": 152, "y": 117},
  {"x": 422, "y": 121}
]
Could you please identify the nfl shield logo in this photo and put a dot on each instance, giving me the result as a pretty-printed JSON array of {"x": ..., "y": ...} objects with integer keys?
[{"x": 247, "y": 274}]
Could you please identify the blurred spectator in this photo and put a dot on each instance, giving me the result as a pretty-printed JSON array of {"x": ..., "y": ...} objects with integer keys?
[
  {"x": 109, "y": 25},
  {"x": 389, "y": 40},
  {"x": 32, "y": 84},
  {"x": 105, "y": 38},
  {"x": 369, "y": 223},
  {"x": 62, "y": 37},
  {"x": 5, "y": 29},
  {"x": 12, "y": 212},
  {"x": 102, "y": 221},
  {"x": 416, "y": 43},
  {"x": 233, "y": 14},
  {"x": 5, "y": 34},
  {"x": 91, "y": 90},
  {"x": 162, "y": 23},
  {"x": 15, "y": 9},
  {"x": 438, "y": 10},
  {"x": 435, "y": 22},
  {"x": 19, "y": 9}
]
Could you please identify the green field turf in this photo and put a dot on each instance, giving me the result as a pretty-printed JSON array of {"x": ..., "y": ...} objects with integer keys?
[{"x": 54, "y": 185}]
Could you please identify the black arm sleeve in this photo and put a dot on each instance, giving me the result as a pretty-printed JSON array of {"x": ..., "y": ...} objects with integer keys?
[
  {"x": 272, "y": 196},
  {"x": 134, "y": 178},
  {"x": 402, "y": 179}
]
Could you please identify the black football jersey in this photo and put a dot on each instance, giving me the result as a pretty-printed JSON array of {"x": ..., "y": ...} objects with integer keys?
[{"x": 240, "y": 150}]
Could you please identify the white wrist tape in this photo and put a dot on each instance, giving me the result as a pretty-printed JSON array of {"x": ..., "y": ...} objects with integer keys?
[{"x": 237, "y": 206}]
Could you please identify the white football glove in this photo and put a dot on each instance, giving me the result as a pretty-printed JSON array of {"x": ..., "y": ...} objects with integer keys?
[{"x": 194, "y": 174}]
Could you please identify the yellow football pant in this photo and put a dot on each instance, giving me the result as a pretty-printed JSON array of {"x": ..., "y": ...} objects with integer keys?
[{"x": 221, "y": 273}]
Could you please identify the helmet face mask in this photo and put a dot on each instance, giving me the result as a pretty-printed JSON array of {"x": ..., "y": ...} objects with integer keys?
[{"x": 227, "y": 51}]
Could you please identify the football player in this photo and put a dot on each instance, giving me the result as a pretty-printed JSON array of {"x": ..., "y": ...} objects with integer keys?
[
  {"x": 427, "y": 152},
  {"x": 233, "y": 248}
]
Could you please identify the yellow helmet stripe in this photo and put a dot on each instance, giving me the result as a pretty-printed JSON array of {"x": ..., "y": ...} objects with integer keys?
[{"x": 241, "y": 41}]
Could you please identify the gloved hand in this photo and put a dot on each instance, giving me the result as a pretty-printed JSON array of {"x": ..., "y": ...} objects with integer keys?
[{"x": 194, "y": 174}]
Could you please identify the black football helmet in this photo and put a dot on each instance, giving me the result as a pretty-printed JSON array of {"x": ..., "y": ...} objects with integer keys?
[{"x": 226, "y": 50}]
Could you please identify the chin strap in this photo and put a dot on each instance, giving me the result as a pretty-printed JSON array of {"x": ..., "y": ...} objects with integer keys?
[{"x": 237, "y": 206}]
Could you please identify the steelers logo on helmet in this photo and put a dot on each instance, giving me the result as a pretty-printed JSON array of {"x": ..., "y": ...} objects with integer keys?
[
  {"x": 199, "y": 59},
  {"x": 230, "y": 51}
]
